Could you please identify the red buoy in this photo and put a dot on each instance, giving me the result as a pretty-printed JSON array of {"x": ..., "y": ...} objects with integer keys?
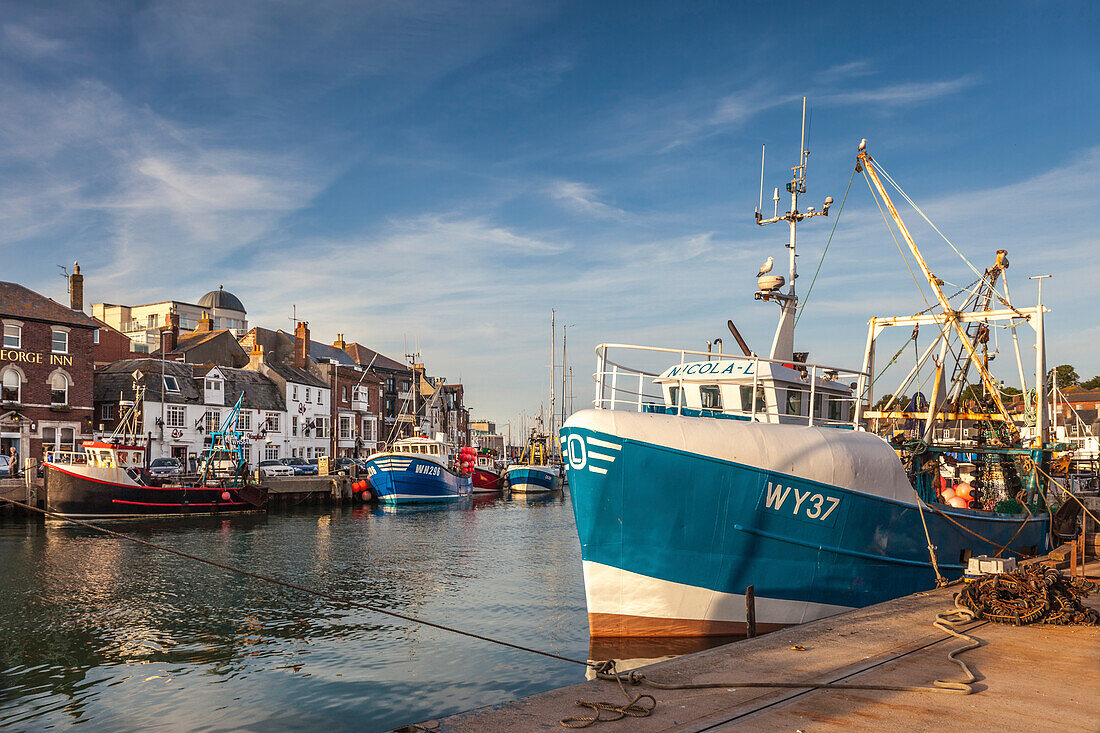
[{"x": 225, "y": 496}]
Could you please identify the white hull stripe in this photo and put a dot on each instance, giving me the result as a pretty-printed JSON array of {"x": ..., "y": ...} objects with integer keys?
[
  {"x": 603, "y": 444},
  {"x": 615, "y": 591}
]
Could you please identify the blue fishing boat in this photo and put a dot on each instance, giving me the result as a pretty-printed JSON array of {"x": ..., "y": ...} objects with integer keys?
[
  {"x": 533, "y": 473},
  {"x": 415, "y": 471},
  {"x": 692, "y": 481}
]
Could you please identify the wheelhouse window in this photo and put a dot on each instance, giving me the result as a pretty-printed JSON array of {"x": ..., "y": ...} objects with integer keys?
[
  {"x": 747, "y": 401},
  {"x": 836, "y": 408},
  {"x": 59, "y": 389},
  {"x": 13, "y": 336},
  {"x": 11, "y": 384},
  {"x": 794, "y": 402},
  {"x": 710, "y": 396},
  {"x": 59, "y": 342},
  {"x": 176, "y": 416},
  {"x": 171, "y": 384},
  {"x": 676, "y": 397}
]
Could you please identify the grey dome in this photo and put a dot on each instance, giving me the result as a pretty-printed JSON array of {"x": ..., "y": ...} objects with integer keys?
[{"x": 221, "y": 299}]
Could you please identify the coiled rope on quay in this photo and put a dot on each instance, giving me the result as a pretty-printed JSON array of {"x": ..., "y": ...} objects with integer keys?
[{"x": 641, "y": 705}]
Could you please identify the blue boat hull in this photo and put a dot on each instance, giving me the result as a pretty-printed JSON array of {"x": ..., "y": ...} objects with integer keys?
[
  {"x": 670, "y": 539},
  {"x": 530, "y": 479},
  {"x": 400, "y": 478}
]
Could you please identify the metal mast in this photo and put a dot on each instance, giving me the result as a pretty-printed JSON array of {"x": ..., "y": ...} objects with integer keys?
[{"x": 783, "y": 342}]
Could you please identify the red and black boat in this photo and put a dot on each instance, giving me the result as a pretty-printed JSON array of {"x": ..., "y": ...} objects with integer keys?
[{"x": 107, "y": 478}]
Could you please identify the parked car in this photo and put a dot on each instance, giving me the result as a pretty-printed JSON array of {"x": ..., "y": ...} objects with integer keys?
[
  {"x": 300, "y": 466},
  {"x": 270, "y": 469},
  {"x": 162, "y": 468},
  {"x": 342, "y": 466},
  {"x": 5, "y": 467}
]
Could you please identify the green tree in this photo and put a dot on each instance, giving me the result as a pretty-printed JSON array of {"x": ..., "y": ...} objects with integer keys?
[
  {"x": 1066, "y": 376},
  {"x": 1093, "y": 383},
  {"x": 899, "y": 404}
]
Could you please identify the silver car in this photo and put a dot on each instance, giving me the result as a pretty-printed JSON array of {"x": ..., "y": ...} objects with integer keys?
[{"x": 5, "y": 467}]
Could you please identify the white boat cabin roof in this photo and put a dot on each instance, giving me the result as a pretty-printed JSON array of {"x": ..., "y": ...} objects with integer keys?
[{"x": 422, "y": 445}]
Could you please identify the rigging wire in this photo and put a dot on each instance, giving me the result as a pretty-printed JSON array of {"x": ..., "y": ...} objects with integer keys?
[{"x": 823, "y": 252}]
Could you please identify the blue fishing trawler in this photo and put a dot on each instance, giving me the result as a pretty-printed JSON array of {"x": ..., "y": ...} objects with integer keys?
[
  {"x": 533, "y": 473},
  {"x": 693, "y": 481},
  {"x": 415, "y": 471}
]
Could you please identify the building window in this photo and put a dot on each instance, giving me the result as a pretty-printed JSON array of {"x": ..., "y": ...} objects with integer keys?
[
  {"x": 271, "y": 453},
  {"x": 272, "y": 422},
  {"x": 13, "y": 336},
  {"x": 344, "y": 393},
  {"x": 107, "y": 412},
  {"x": 321, "y": 424},
  {"x": 319, "y": 394},
  {"x": 151, "y": 321},
  {"x": 368, "y": 429},
  {"x": 59, "y": 343},
  {"x": 244, "y": 420},
  {"x": 95, "y": 336},
  {"x": 59, "y": 389},
  {"x": 345, "y": 427},
  {"x": 213, "y": 420},
  {"x": 307, "y": 394},
  {"x": 11, "y": 385},
  {"x": 711, "y": 397},
  {"x": 294, "y": 392},
  {"x": 176, "y": 416},
  {"x": 214, "y": 385},
  {"x": 170, "y": 384},
  {"x": 294, "y": 426},
  {"x": 390, "y": 384}
]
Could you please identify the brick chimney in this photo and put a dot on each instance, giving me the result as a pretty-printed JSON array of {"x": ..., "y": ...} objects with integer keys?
[
  {"x": 206, "y": 324},
  {"x": 339, "y": 342},
  {"x": 301, "y": 344},
  {"x": 256, "y": 358},
  {"x": 76, "y": 289},
  {"x": 170, "y": 332}
]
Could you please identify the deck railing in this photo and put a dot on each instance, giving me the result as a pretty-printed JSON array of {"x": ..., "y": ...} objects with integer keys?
[{"x": 620, "y": 386}]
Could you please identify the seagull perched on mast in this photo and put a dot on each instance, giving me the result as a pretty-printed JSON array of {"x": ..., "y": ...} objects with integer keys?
[{"x": 766, "y": 267}]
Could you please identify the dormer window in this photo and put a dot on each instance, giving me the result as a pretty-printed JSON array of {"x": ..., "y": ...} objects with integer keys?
[
  {"x": 59, "y": 342},
  {"x": 13, "y": 335},
  {"x": 170, "y": 384},
  {"x": 213, "y": 385}
]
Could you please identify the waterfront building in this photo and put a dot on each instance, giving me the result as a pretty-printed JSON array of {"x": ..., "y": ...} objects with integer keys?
[
  {"x": 355, "y": 416},
  {"x": 204, "y": 345},
  {"x": 184, "y": 402},
  {"x": 307, "y": 397},
  {"x": 46, "y": 366},
  {"x": 456, "y": 418},
  {"x": 484, "y": 435},
  {"x": 110, "y": 345},
  {"x": 396, "y": 379},
  {"x": 143, "y": 324}
]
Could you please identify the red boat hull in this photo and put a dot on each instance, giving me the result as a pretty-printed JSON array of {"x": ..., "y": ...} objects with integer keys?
[{"x": 485, "y": 480}]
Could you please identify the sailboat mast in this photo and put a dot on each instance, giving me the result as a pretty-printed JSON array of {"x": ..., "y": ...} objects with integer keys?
[{"x": 553, "y": 345}]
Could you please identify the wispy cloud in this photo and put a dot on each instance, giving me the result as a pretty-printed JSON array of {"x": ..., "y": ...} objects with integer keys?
[
  {"x": 584, "y": 199},
  {"x": 19, "y": 41},
  {"x": 900, "y": 94}
]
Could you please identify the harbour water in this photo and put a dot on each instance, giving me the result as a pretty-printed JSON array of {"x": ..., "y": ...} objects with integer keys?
[{"x": 115, "y": 635}]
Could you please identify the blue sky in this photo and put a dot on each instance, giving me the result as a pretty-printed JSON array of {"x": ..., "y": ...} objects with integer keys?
[{"x": 451, "y": 171}]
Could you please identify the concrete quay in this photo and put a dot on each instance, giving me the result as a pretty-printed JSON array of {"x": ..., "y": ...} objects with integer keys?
[{"x": 1030, "y": 678}]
